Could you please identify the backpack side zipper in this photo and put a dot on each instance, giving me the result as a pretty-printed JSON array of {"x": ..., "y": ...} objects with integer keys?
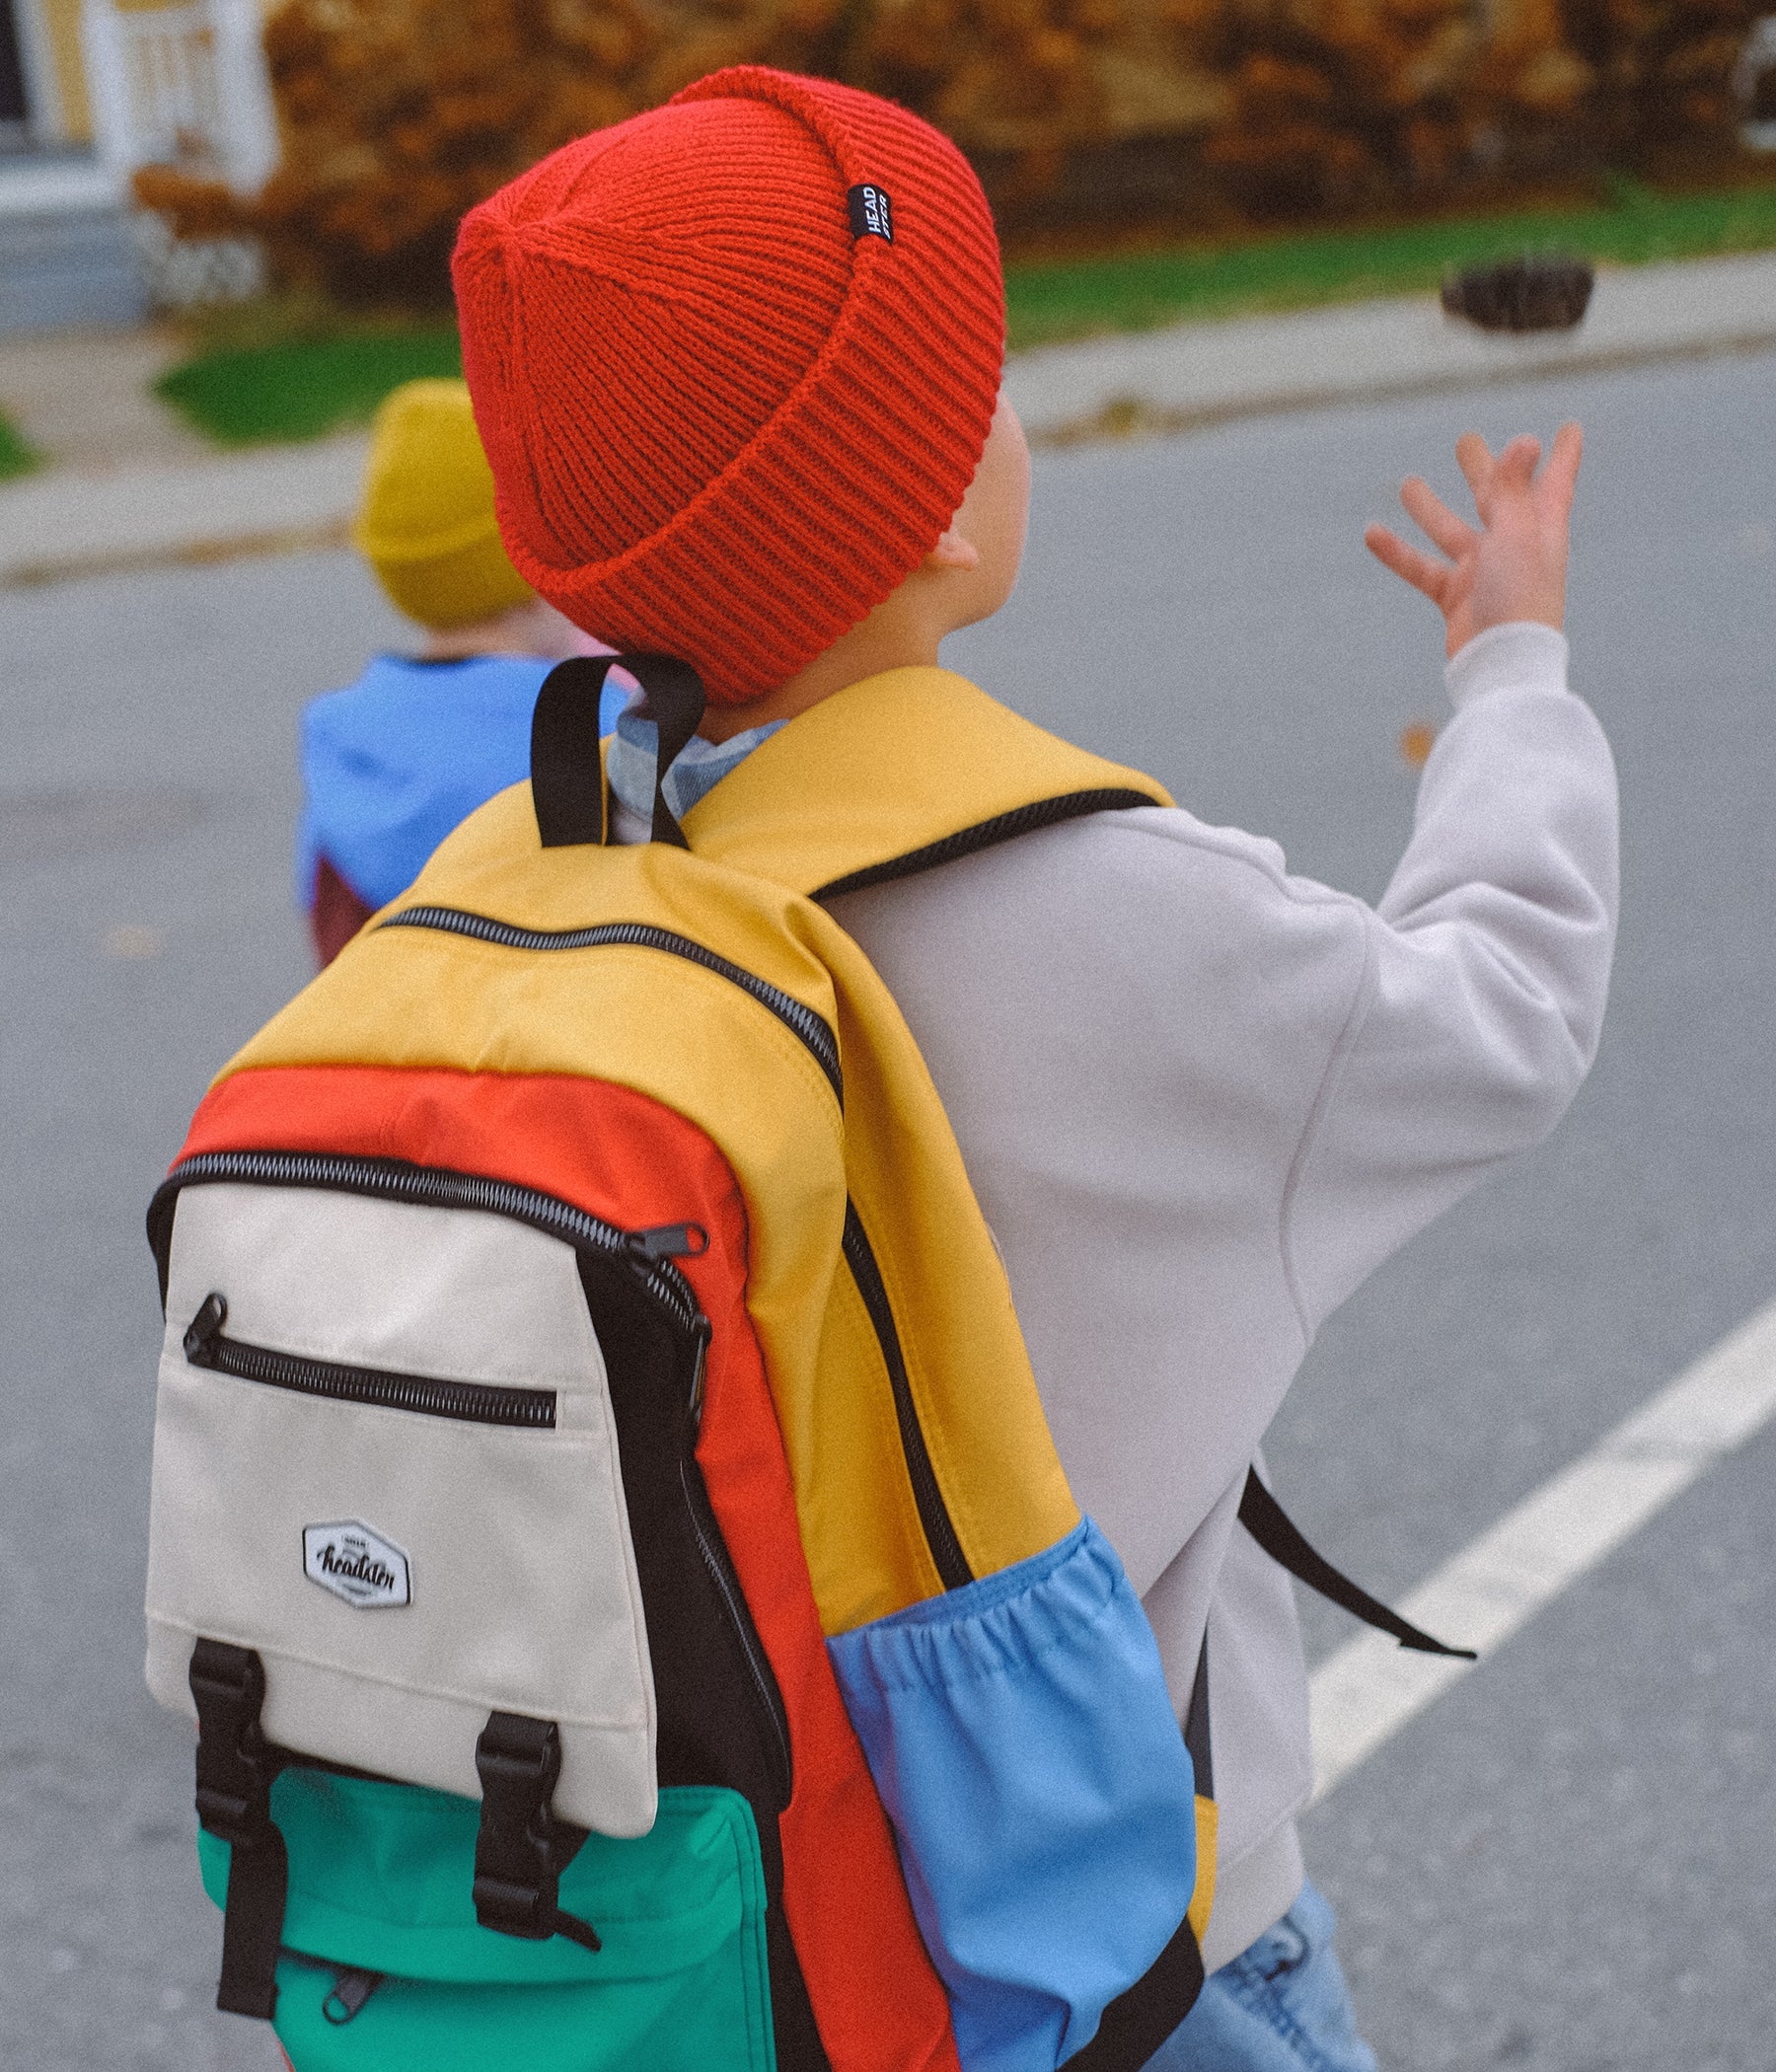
[
  {"x": 719, "y": 1562},
  {"x": 934, "y": 1515}
]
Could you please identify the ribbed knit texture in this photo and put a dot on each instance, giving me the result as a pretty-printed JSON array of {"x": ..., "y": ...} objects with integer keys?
[{"x": 719, "y": 426}]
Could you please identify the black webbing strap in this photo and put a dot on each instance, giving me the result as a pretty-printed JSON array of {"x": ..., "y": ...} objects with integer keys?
[
  {"x": 1197, "y": 1737},
  {"x": 236, "y": 1767},
  {"x": 522, "y": 1849},
  {"x": 567, "y": 787},
  {"x": 1271, "y": 1526},
  {"x": 1138, "y": 2021}
]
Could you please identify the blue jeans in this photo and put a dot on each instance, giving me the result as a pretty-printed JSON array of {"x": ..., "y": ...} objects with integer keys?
[{"x": 1280, "y": 2006}]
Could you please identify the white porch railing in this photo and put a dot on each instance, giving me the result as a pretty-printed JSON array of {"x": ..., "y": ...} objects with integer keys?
[
  {"x": 183, "y": 85},
  {"x": 1755, "y": 81}
]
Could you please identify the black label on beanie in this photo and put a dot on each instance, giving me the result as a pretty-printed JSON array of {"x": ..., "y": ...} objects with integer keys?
[{"x": 871, "y": 212}]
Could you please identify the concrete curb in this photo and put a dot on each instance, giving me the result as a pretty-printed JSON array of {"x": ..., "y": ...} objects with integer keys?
[{"x": 61, "y": 525}]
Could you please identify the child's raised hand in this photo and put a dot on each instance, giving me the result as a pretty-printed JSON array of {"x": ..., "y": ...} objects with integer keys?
[{"x": 1515, "y": 566}]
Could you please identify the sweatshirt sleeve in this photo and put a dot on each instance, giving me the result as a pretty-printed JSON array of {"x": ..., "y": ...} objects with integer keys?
[{"x": 1486, "y": 969}]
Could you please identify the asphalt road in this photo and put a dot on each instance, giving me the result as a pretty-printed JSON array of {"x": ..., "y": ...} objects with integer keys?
[{"x": 1569, "y": 1864}]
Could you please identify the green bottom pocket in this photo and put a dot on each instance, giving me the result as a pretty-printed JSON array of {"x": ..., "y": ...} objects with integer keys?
[{"x": 380, "y": 1884}]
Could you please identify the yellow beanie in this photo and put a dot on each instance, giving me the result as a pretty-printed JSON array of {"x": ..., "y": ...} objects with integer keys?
[{"x": 426, "y": 522}]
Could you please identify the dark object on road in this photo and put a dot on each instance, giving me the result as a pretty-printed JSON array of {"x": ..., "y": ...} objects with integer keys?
[{"x": 1550, "y": 293}]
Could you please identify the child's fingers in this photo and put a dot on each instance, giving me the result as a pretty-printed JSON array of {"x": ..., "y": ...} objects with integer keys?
[
  {"x": 1409, "y": 563},
  {"x": 1474, "y": 458},
  {"x": 1434, "y": 519},
  {"x": 1560, "y": 477},
  {"x": 1515, "y": 468}
]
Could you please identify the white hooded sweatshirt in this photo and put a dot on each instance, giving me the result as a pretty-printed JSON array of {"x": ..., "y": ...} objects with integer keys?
[{"x": 1200, "y": 1100}]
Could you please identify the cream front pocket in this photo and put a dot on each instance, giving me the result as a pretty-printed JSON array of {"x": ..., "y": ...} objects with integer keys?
[{"x": 384, "y": 1458}]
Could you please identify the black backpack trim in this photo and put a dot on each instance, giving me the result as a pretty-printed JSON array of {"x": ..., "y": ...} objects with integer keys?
[{"x": 987, "y": 834}]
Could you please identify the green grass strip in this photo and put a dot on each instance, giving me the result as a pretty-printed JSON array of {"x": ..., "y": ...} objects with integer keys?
[
  {"x": 301, "y": 388},
  {"x": 314, "y": 381},
  {"x": 17, "y": 455},
  {"x": 1133, "y": 291}
]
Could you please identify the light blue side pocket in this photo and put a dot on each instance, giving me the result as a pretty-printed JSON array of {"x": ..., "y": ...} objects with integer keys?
[{"x": 1022, "y": 1740}]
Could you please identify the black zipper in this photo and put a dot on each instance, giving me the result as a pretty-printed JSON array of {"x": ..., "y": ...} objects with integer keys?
[
  {"x": 939, "y": 1530},
  {"x": 648, "y": 1253},
  {"x": 715, "y": 1559},
  {"x": 813, "y": 1030},
  {"x": 384, "y": 1388}
]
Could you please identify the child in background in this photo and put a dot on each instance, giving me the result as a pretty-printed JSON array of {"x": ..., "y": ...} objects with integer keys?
[{"x": 393, "y": 763}]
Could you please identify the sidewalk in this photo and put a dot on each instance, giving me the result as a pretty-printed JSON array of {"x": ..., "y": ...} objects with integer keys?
[
  {"x": 131, "y": 488},
  {"x": 85, "y": 398},
  {"x": 64, "y": 523}
]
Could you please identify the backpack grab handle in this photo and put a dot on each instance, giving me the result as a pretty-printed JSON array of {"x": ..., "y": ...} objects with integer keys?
[{"x": 567, "y": 785}]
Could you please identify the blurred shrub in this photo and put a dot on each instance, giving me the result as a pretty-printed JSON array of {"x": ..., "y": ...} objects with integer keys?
[
  {"x": 400, "y": 114},
  {"x": 1663, "y": 69},
  {"x": 1360, "y": 104},
  {"x": 17, "y": 454}
]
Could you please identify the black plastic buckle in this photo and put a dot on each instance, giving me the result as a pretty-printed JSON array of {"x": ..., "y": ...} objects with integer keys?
[
  {"x": 236, "y": 1770},
  {"x": 235, "y": 1763},
  {"x": 521, "y": 1848}
]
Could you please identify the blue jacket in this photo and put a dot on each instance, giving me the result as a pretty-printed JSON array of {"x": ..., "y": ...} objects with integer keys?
[{"x": 396, "y": 760}]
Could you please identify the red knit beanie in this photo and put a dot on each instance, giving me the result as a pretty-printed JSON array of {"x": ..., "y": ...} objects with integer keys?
[{"x": 734, "y": 362}]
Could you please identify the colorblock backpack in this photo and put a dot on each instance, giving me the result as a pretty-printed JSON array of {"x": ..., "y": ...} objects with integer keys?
[{"x": 603, "y": 1520}]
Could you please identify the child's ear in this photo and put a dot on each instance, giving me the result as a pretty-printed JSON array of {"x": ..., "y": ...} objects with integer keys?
[{"x": 954, "y": 550}]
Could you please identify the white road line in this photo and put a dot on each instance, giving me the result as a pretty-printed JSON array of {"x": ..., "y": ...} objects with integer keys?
[{"x": 1369, "y": 1690}]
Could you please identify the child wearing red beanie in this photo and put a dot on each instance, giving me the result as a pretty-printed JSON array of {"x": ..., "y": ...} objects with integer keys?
[{"x": 736, "y": 366}]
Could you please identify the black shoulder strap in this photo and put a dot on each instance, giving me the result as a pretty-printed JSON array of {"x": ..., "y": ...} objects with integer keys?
[
  {"x": 568, "y": 785},
  {"x": 1140, "y": 2018},
  {"x": 1271, "y": 1526}
]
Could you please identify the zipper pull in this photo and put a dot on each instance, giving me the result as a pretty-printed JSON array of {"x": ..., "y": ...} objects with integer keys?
[
  {"x": 351, "y": 1989},
  {"x": 205, "y": 1328},
  {"x": 668, "y": 1241},
  {"x": 699, "y": 1368}
]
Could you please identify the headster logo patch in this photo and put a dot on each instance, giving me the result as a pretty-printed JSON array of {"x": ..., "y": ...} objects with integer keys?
[
  {"x": 356, "y": 1562},
  {"x": 871, "y": 212}
]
